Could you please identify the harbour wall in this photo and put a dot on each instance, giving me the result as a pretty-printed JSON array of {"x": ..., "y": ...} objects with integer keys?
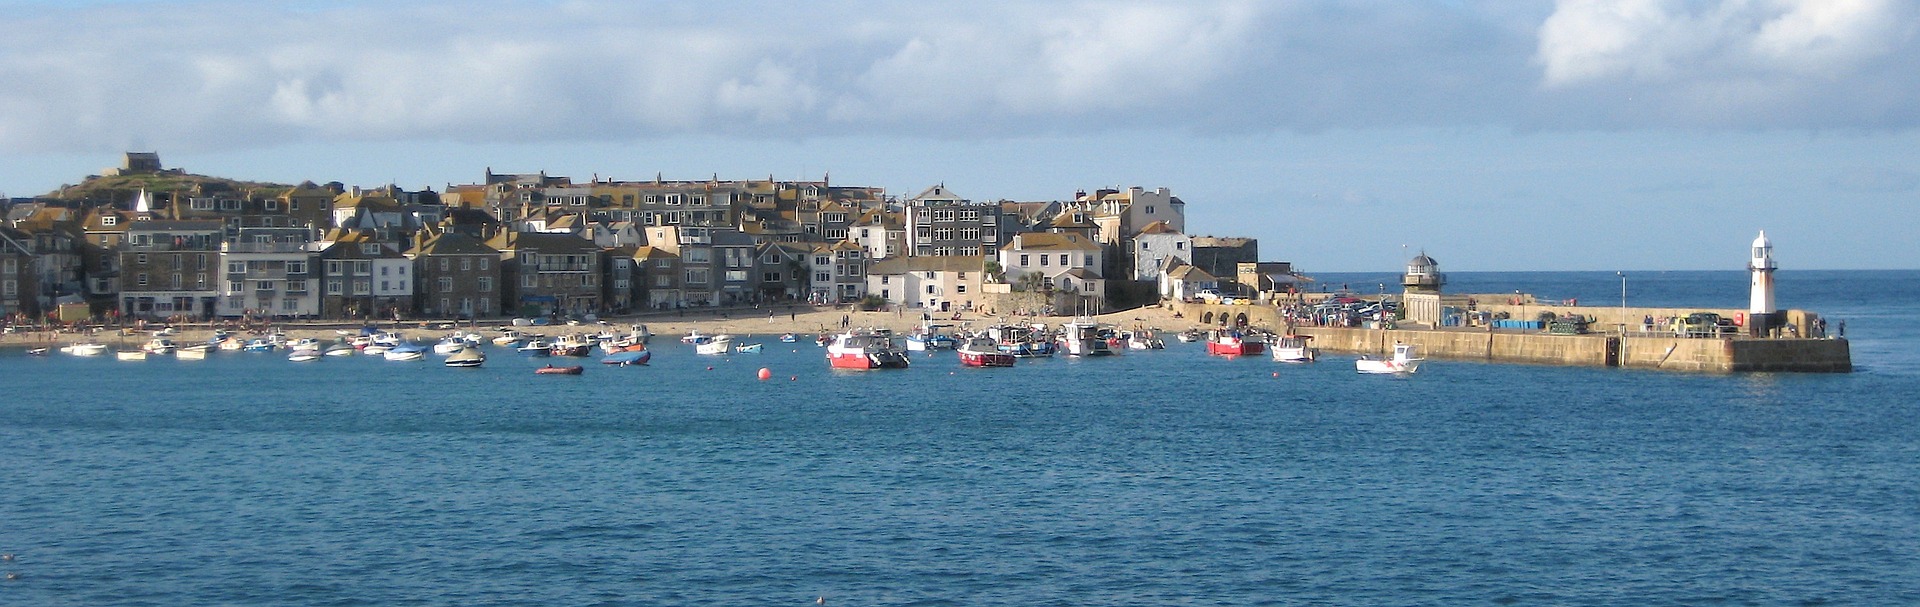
[{"x": 1649, "y": 351}]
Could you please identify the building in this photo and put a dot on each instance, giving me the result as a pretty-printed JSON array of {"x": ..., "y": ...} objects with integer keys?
[
  {"x": 942, "y": 223},
  {"x": 935, "y": 283},
  {"x": 457, "y": 275},
  {"x": 364, "y": 276},
  {"x": 1157, "y": 248},
  {"x": 268, "y": 272},
  {"x": 170, "y": 268},
  {"x": 838, "y": 272},
  {"x": 1221, "y": 257},
  {"x": 1064, "y": 264},
  {"x": 550, "y": 273}
]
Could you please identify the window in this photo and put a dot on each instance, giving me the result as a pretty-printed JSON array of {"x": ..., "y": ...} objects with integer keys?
[
  {"x": 336, "y": 287},
  {"x": 200, "y": 280},
  {"x": 201, "y": 204},
  {"x": 1043, "y": 260},
  {"x": 334, "y": 268},
  {"x": 696, "y": 276},
  {"x": 229, "y": 205},
  {"x": 466, "y": 264},
  {"x": 1179, "y": 246},
  {"x": 175, "y": 282},
  {"x": 140, "y": 258},
  {"x": 1149, "y": 209},
  {"x": 273, "y": 205},
  {"x": 296, "y": 267},
  {"x": 1089, "y": 262},
  {"x": 486, "y": 284},
  {"x": 263, "y": 285},
  {"x": 386, "y": 287},
  {"x": 363, "y": 267},
  {"x": 363, "y": 286},
  {"x": 297, "y": 287},
  {"x": 1063, "y": 259},
  {"x": 1023, "y": 260},
  {"x": 930, "y": 289},
  {"x": 445, "y": 264},
  {"x": 770, "y": 277},
  {"x": 446, "y": 284},
  {"x": 290, "y": 305},
  {"x": 662, "y": 280},
  {"x": 385, "y": 270},
  {"x": 235, "y": 286},
  {"x": 621, "y": 284},
  {"x": 141, "y": 279},
  {"x": 109, "y": 220},
  {"x": 529, "y": 280},
  {"x": 483, "y": 264},
  {"x": 822, "y": 277}
]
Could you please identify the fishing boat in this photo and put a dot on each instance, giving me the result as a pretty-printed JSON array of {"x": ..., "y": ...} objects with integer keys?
[
  {"x": 628, "y": 357},
  {"x": 1235, "y": 342},
  {"x": 1021, "y": 341},
  {"x": 258, "y": 345},
  {"x": 572, "y": 345},
  {"x": 1190, "y": 335},
  {"x": 983, "y": 352},
  {"x": 508, "y": 337},
  {"x": 1082, "y": 338},
  {"x": 718, "y": 344},
  {"x": 864, "y": 350},
  {"x": 1402, "y": 363},
  {"x": 928, "y": 337},
  {"x": 1144, "y": 339},
  {"x": 552, "y": 370},
  {"x": 1294, "y": 349},
  {"x": 536, "y": 346},
  {"x": 747, "y": 348},
  {"x": 466, "y": 358},
  {"x": 694, "y": 337}
]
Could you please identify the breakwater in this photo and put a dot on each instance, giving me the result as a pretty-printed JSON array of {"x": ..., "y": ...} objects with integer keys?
[{"x": 1638, "y": 351}]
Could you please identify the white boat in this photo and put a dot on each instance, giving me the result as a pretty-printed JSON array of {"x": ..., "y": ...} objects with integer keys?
[
  {"x": 375, "y": 349},
  {"x": 1294, "y": 349},
  {"x": 508, "y": 337},
  {"x": 1082, "y": 338},
  {"x": 232, "y": 344},
  {"x": 84, "y": 349},
  {"x": 747, "y": 348},
  {"x": 466, "y": 358},
  {"x": 405, "y": 351},
  {"x": 695, "y": 337},
  {"x": 339, "y": 348},
  {"x": 864, "y": 350},
  {"x": 130, "y": 355},
  {"x": 449, "y": 345},
  {"x": 190, "y": 353},
  {"x": 718, "y": 344},
  {"x": 159, "y": 345},
  {"x": 1402, "y": 362},
  {"x": 304, "y": 343},
  {"x": 304, "y": 355}
]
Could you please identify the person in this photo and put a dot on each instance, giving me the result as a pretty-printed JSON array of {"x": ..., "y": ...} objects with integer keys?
[{"x": 1843, "y": 328}]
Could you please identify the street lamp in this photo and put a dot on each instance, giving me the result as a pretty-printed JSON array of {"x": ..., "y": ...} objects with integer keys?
[{"x": 1623, "y": 302}]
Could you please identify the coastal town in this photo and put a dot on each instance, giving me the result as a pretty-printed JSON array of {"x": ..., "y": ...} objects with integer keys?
[{"x": 142, "y": 248}]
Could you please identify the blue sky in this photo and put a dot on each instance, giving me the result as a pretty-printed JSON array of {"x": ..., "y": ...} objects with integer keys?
[{"x": 1496, "y": 135}]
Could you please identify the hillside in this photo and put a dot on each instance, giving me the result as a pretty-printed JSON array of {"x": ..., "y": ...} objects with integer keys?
[{"x": 121, "y": 188}]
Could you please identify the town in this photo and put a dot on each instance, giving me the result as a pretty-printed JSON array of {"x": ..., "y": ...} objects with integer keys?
[{"x": 145, "y": 242}]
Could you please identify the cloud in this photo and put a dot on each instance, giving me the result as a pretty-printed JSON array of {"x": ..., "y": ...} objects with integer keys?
[{"x": 220, "y": 76}]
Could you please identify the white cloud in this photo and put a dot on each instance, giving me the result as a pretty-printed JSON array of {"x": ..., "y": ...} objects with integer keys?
[{"x": 211, "y": 76}]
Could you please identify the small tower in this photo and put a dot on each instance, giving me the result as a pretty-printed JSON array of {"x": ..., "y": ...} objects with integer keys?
[
  {"x": 1761, "y": 300},
  {"x": 1423, "y": 275}
]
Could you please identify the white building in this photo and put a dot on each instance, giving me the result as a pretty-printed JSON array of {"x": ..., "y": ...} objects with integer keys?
[
  {"x": 269, "y": 271},
  {"x": 938, "y": 283},
  {"x": 1157, "y": 248}
]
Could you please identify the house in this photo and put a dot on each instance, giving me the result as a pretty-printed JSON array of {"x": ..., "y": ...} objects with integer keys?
[
  {"x": 364, "y": 276},
  {"x": 457, "y": 275},
  {"x": 658, "y": 274},
  {"x": 943, "y": 223},
  {"x": 783, "y": 271},
  {"x": 1185, "y": 283},
  {"x": 268, "y": 272},
  {"x": 838, "y": 273},
  {"x": 935, "y": 283},
  {"x": 550, "y": 273},
  {"x": 1064, "y": 264},
  {"x": 169, "y": 268},
  {"x": 1158, "y": 247}
]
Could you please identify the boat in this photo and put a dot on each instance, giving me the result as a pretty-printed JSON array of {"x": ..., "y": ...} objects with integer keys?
[
  {"x": 864, "y": 350},
  {"x": 36, "y": 351},
  {"x": 466, "y": 358},
  {"x": 304, "y": 355},
  {"x": 508, "y": 337},
  {"x": 375, "y": 349},
  {"x": 88, "y": 349},
  {"x": 1235, "y": 342},
  {"x": 339, "y": 348},
  {"x": 1082, "y": 338},
  {"x": 304, "y": 343},
  {"x": 1294, "y": 349},
  {"x": 628, "y": 357},
  {"x": 191, "y": 353},
  {"x": 536, "y": 346},
  {"x": 449, "y": 345},
  {"x": 983, "y": 352},
  {"x": 822, "y": 341},
  {"x": 572, "y": 345},
  {"x": 405, "y": 352},
  {"x": 1144, "y": 339},
  {"x": 694, "y": 337},
  {"x": 928, "y": 337},
  {"x": 231, "y": 344},
  {"x": 1402, "y": 363},
  {"x": 718, "y": 344},
  {"x": 258, "y": 345},
  {"x": 1021, "y": 341},
  {"x": 159, "y": 345},
  {"x": 552, "y": 370},
  {"x": 747, "y": 348},
  {"x": 787, "y": 338},
  {"x": 130, "y": 354},
  {"x": 166, "y": 332},
  {"x": 1190, "y": 335}
]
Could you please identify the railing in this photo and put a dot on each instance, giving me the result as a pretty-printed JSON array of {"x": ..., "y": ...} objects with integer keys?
[{"x": 264, "y": 247}]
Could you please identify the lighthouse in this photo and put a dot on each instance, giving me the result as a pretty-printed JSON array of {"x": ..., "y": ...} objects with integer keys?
[{"x": 1761, "y": 266}]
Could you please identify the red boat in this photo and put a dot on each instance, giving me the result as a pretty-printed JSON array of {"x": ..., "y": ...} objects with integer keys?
[
  {"x": 864, "y": 350},
  {"x": 984, "y": 352},
  {"x": 1233, "y": 342},
  {"x": 552, "y": 370}
]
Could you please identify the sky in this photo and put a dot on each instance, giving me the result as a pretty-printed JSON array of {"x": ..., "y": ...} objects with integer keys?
[{"x": 1494, "y": 135}]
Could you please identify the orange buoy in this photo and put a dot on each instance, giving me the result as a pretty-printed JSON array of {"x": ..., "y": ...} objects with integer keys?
[{"x": 765, "y": 373}]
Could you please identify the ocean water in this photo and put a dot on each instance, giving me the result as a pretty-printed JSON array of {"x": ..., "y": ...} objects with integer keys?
[{"x": 1154, "y": 478}]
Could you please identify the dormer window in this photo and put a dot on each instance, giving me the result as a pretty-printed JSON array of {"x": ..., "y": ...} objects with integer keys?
[
  {"x": 369, "y": 248},
  {"x": 109, "y": 220}
]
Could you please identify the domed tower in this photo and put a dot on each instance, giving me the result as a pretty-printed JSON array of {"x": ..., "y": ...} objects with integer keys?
[
  {"x": 1423, "y": 275},
  {"x": 1761, "y": 298}
]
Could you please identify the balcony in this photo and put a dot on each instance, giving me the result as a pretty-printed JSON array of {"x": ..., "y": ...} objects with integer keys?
[{"x": 264, "y": 247}]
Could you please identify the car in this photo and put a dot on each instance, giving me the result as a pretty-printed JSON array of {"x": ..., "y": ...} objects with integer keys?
[{"x": 1208, "y": 295}]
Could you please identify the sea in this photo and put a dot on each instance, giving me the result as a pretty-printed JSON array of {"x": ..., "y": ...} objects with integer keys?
[{"x": 1151, "y": 478}]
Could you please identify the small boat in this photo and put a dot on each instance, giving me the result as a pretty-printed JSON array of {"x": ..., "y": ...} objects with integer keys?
[
  {"x": 572, "y": 345},
  {"x": 1234, "y": 342},
  {"x": 718, "y": 344},
  {"x": 375, "y": 349},
  {"x": 166, "y": 332},
  {"x": 199, "y": 353},
  {"x": 983, "y": 352},
  {"x": 508, "y": 337},
  {"x": 787, "y": 338},
  {"x": 231, "y": 344},
  {"x": 466, "y": 358},
  {"x": 747, "y": 348},
  {"x": 84, "y": 349},
  {"x": 552, "y": 370},
  {"x": 1190, "y": 336},
  {"x": 130, "y": 355},
  {"x": 37, "y": 352},
  {"x": 449, "y": 345},
  {"x": 821, "y": 341},
  {"x": 258, "y": 345},
  {"x": 694, "y": 337},
  {"x": 1402, "y": 363},
  {"x": 339, "y": 348},
  {"x": 1082, "y": 338},
  {"x": 536, "y": 347},
  {"x": 864, "y": 350},
  {"x": 159, "y": 345},
  {"x": 405, "y": 352},
  {"x": 304, "y": 355},
  {"x": 1294, "y": 349},
  {"x": 304, "y": 343},
  {"x": 628, "y": 357}
]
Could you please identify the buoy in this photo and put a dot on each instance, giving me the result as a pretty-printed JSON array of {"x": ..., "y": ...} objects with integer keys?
[
  {"x": 709, "y": 367},
  {"x": 765, "y": 373},
  {"x": 793, "y": 378},
  {"x": 1276, "y": 373}
]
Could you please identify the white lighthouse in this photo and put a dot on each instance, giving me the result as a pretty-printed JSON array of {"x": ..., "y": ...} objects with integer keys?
[{"x": 1761, "y": 301}]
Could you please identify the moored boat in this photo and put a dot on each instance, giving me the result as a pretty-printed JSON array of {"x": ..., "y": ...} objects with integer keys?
[
  {"x": 130, "y": 354},
  {"x": 466, "y": 358},
  {"x": 864, "y": 350},
  {"x": 628, "y": 357},
  {"x": 405, "y": 351},
  {"x": 747, "y": 348},
  {"x": 1235, "y": 342},
  {"x": 718, "y": 344},
  {"x": 304, "y": 355},
  {"x": 1402, "y": 363},
  {"x": 191, "y": 353},
  {"x": 86, "y": 349},
  {"x": 552, "y": 370},
  {"x": 1082, "y": 338},
  {"x": 1294, "y": 349},
  {"x": 983, "y": 352},
  {"x": 159, "y": 345}
]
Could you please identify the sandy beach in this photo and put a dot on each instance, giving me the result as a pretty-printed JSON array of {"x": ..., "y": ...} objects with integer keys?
[{"x": 744, "y": 322}]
